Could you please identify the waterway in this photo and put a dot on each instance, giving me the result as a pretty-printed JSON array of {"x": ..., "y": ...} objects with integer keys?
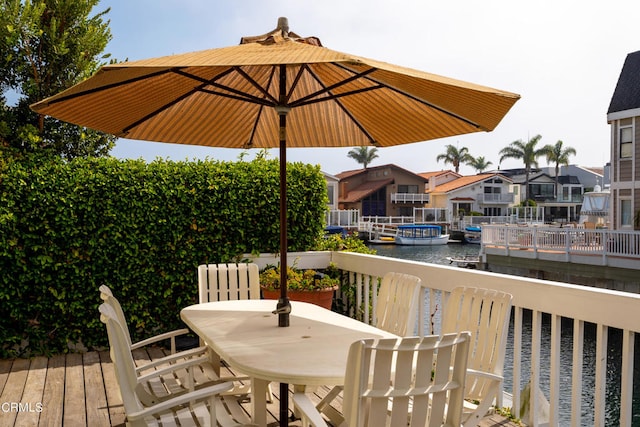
[{"x": 439, "y": 254}]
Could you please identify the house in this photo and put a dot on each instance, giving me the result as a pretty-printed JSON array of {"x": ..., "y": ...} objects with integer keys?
[
  {"x": 387, "y": 190},
  {"x": 589, "y": 177},
  {"x": 488, "y": 193},
  {"x": 623, "y": 116}
]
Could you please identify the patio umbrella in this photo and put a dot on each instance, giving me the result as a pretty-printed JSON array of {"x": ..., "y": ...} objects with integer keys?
[{"x": 276, "y": 90}]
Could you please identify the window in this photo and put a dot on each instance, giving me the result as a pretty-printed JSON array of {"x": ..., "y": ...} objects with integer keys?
[
  {"x": 626, "y": 142},
  {"x": 625, "y": 213},
  {"x": 410, "y": 189},
  {"x": 330, "y": 189}
]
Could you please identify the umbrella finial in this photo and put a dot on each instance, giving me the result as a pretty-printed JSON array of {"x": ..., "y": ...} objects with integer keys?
[{"x": 283, "y": 25}]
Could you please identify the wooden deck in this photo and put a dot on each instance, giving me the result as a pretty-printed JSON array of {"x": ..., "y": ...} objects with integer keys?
[{"x": 81, "y": 390}]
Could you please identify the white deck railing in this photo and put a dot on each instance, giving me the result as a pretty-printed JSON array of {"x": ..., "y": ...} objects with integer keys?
[
  {"x": 577, "y": 245},
  {"x": 559, "y": 302}
]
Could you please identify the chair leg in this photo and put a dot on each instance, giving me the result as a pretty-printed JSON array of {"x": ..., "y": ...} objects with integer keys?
[{"x": 324, "y": 406}]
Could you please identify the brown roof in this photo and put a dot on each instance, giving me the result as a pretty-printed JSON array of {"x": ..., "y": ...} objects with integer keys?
[
  {"x": 362, "y": 191},
  {"x": 428, "y": 175},
  {"x": 348, "y": 174},
  {"x": 464, "y": 181}
]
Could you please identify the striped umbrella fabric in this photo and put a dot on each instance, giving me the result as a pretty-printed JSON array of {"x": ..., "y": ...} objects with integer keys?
[{"x": 226, "y": 97}]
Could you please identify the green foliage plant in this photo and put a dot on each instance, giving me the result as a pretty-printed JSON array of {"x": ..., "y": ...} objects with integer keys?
[{"x": 67, "y": 227}]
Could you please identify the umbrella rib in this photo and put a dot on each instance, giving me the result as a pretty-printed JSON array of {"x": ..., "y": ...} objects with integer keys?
[
  {"x": 109, "y": 86},
  {"x": 239, "y": 95},
  {"x": 264, "y": 91},
  {"x": 328, "y": 89},
  {"x": 415, "y": 98},
  {"x": 334, "y": 97},
  {"x": 260, "y": 110}
]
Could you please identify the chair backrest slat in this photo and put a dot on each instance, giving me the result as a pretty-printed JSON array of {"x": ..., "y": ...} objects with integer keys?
[
  {"x": 223, "y": 282},
  {"x": 397, "y": 303}
]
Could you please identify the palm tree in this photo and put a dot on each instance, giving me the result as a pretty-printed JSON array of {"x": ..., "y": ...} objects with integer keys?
[
  {"x": 363, "y": 155},
  {"x": 455, "y": 156},
  {"x": 560, "y": 156},
  {"x": 527, "y": 153},
  {"x": 479, "y": 163}
]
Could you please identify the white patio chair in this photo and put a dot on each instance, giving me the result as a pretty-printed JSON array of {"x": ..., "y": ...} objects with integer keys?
[
  {"x": 485, "y": 314},
  {"x": 400, "y": 382},
  {"x": 229, "y": 282},
  {"x": 205, "y": 406},
  {"x": 396, "y": 311},
  {"x": 201, "y": 372}
]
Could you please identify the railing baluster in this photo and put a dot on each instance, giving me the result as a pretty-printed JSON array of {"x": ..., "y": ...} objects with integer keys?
[
  {"x": 554, "y": 365},
  {"x": 576, "y": 383},
  {"x": 626, "y": 386},
  {"x": 602, "y": 338},
  {"x": 517, "y": 360}
]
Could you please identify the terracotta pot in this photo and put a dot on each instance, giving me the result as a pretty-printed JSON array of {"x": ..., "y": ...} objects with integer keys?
[{"x": 323, "y": 297}]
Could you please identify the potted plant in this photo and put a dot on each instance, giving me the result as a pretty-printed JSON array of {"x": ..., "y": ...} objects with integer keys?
[{"x": 316, "y": 287}]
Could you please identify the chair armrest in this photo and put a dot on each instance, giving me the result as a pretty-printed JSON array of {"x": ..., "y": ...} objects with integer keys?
[
  {"x": 187, "y": 364},
  {"x": 308, "y": 410},
  {"x": 173, "y": 358},
  {"x": 167, "y": 335},
  {"x": 183, "y": 399},
  {"x": 487, "y": 375}
]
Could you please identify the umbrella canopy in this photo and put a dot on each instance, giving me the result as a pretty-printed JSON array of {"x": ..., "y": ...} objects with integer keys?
[
  {"x": 276, "y": 90},
  {"x": 225, "y": 97}
]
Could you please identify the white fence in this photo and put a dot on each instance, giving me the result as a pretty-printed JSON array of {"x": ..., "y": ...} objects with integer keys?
[
  {"x": 554, "y": 302},
  {"x": 578, "y": 245}
]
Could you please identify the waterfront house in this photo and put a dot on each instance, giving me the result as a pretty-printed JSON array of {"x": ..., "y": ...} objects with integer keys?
[
  {"x": 624, "y": 117},
  {"x": 489, "y": 193},
  {"x": 589, "y": 177},
  {"x": 387, "y": 190}
]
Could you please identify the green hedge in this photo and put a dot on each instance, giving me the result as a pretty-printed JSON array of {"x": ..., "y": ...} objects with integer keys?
[{"x": 142, "y": 229}]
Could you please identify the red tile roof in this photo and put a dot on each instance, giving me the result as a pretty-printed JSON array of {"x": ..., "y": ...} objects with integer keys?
[{"x": 464, "y": 181}]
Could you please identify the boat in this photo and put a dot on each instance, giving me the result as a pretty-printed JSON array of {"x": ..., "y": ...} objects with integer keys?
[
  {"x": 464, "y": 261},
  {"x": 383, "y": 240},
  {"x": 472, "y": 234},
  {"x": 421, "y": 235}
]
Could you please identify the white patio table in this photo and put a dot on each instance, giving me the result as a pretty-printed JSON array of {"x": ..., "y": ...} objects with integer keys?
[{"x": 312, "y": 351}]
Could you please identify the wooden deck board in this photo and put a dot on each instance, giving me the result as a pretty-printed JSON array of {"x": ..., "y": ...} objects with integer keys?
[
  {"x": 96, "y": 399},
  {"x": 33, "y": 393},
  {"x": 13, "y": 389},
  {"x": 81, "y": 390},
  {"x": 54, "y": 392},
  {"x": 74, "y": 396}
]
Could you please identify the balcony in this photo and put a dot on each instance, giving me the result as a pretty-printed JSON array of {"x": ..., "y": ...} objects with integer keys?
[
  {"x": 409, "y": 198},
  {"x": 542, "y": 311},
  {"x": 495, "y": 198}
]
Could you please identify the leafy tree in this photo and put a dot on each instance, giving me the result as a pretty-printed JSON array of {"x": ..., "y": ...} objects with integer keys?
[
  {"x": 526, "y": 152},
  {"x": 479, "y": 164},
  {"x": 363, "y": 155},
  {"x": 46, "y": 47},
  {"x": 455, "y": 156},
  {"x": 559, "y": 155}
]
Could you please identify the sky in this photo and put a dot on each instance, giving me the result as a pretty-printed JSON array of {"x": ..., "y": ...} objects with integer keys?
[{"x": 563, "y": 57}]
